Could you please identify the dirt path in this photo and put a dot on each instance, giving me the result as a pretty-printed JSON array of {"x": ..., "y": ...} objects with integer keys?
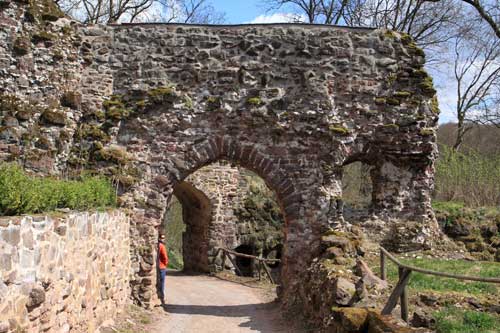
[{"x": 208, "y": 304}]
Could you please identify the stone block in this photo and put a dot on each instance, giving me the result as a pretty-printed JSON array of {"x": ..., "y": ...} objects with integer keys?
[
  {"x": 28, "y": 240},
  {"x": 345, "y": 291}
]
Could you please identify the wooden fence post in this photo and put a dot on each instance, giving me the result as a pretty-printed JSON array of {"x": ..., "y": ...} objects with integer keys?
[
  {"x": 396, "y": 294},
  {"x": 234, "y": 265},
  {"x": 266, "y": 269},
  {"x": 383, "y": 273},
  {"x": 404, "y": 296},
  {"x": 223, "y": 260}
]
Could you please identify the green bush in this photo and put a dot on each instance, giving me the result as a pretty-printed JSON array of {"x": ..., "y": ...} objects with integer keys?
[
  {"x": 471, "y": 178},
  {"x": 23, "y": 194}
]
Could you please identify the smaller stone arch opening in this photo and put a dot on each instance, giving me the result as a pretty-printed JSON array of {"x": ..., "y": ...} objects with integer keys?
[
  {"x": 245, "y": 265},
  {"x": 357, "y": 191}
]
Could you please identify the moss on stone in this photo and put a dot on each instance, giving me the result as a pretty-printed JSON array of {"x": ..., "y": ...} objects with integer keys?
[
  {"x": 64, "y": 135},
  {"x": 340, "y": 130},
  {"x": 435, "y": 105},
  {"x": 389, "y": 34},
  {"x": 115, "y": 101},
  {"x": 141, "y": 104},
  {"x": 427, "y": 86},
  {"x": 426, "y": 131},
  {"x": 116, "y": 108},
  {"x": 391, "y": 78},
  {"x": 21, "y": 46},
  {"x": 116, "y": 155},
  {"x": 188, "y": 102},
  {"x": 162, "y": 95},
  {"x": 127, "y": 181},
  {"x": 391, "y": 126},
  {"x": 214, "y": 103},
  {"x": 71, "y": 99},
  {"x": 57, "y": 55},
  {"x": 43, "y": 36},
  {"x": 254, "y": 101},
  {"x": 54, "y": 117},
  {"x": 117, "y": 113},
  {"x": 402, "y": 94},
  {"x": 393, "y": 101},
  {"x": 419, "y": 73},
  {"x": 14, "y": 106},
  {"x": 92, "y": 132},
  {"x": 9, "y": 104},
  {"x": 414, "y": 49},
  {"x": 406, "y": 38},
  {"x": 380, "y": 100},
  {"x": 67, "y": 30},
  {"x": 43, "y": 10}
]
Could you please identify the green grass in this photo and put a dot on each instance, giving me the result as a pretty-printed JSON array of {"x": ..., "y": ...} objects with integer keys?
[
  {"x": 455, "y": 320},
  {"x": 23, "y": 194},
  {"x": 450, "y": 319},
  {"x": 455, "y": 210},
  {"x": 424, "y": 282}
]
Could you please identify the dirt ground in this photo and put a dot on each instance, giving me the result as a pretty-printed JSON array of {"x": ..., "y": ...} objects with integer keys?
[{"x": 206, "y": 304}]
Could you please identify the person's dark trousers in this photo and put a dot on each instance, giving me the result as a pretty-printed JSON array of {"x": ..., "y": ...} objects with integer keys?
[{"x": 163, "y": 274}]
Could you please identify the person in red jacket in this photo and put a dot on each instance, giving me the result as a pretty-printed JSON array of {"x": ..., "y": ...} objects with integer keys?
[{"x": 162, "y": 266}]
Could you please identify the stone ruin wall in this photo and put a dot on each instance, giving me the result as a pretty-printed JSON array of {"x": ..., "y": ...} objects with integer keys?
[
  {"x": 151, "y": 104},
  {"x": 62, "y": 274}
]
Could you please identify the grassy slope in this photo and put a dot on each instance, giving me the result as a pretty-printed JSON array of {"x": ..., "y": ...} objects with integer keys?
[{"x": 452, "y": 318}]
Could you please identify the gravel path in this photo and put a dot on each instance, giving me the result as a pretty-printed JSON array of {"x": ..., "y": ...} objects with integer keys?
[{"x": 208, "y": 304}]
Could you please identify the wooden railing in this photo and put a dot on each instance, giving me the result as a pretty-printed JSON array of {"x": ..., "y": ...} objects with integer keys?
[
  {"x": 226, "y": 253},
  {"x": 400, "y": 290}
]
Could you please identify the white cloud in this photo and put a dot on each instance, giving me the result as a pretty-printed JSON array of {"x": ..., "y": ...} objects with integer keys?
[
  {"x": 447, "y": 97},
  {"x": 278, "y": 18}
]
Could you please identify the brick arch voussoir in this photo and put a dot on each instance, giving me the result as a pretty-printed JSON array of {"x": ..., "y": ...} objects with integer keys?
[{"x": 248, "y": 156}]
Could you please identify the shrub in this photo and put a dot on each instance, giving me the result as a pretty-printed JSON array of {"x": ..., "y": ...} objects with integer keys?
[
  {"x": 23, "y": 194},
  {"x": 471, "y": 178}
]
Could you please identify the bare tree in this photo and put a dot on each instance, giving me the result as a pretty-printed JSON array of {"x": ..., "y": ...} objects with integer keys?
[
  {"x": 199, "y": 11},
  {"x": 424, "y": 20},
  {"x": 477, "y": 75},
  {"x": 489, "y": 10},
  {"x": 112, "y": 11}
]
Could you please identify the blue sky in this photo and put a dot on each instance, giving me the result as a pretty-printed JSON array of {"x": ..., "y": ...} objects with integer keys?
[
  {"x": 239, "y": 11},
  {"x": 254, "y": 11}
]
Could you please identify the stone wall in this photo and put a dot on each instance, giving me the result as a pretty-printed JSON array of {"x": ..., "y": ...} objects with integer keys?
[
  {"x": 151, "y": 104},
  {"x": 62, "y": 274}
]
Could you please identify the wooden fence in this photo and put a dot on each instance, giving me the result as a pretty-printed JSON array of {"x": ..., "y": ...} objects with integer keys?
[
  {"x": 400, "y": 290},
  {"x": 226, "y": 253}
]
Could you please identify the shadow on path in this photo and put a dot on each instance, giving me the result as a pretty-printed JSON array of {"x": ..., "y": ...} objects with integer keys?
[
  {"x": 254, "y": 312},
  {"x": 243, "y": 310}
]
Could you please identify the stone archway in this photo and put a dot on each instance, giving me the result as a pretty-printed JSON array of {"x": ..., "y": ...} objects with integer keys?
[{"x": 247, "y": 156}]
